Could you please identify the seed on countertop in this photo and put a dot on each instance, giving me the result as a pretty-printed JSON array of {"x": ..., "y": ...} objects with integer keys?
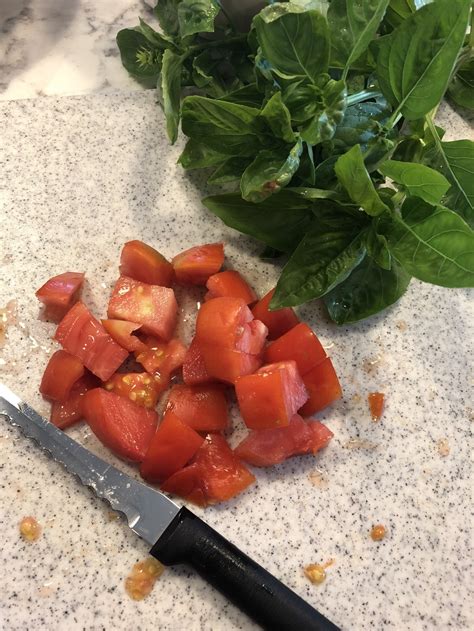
[
  {"x": 378, "y": 532},
  {"x": 443, "y": 447},
  {"x": 316, "y": 573},
  {"x": 142, "y": 578},
  {"x": 30, "y": 529}
]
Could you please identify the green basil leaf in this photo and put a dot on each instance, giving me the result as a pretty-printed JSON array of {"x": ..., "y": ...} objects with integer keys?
[
  {"x": 461, "y": 88},
  {"x": 432, "y": 243},
  {"x": 247, "y": 95},
  {"x": 415, "y": 62},
  {"x": 315, "y": 193},
  {"x": 156, "y": 39},
  {"x": 331, "y": 248},
  {"x": 278, "y": 118},
  {"x": 417, "y": 179},
  {"x": 398, "y": 11},
  {"x": 269, "y": 253},
  {"x": 139, "y": 57},
  {"x": 377, "y": 247},
  {"x": 197, "y": 16},
  {"x": 294, "y": 41},
  {"x": 230, "y": 171},
  {"x": 318, "y": 5},
  {"x": 352, "y": 174},
  {"x": 323, "y": 123},
  {"x": 167, "y": 13},
  {"x": 368, "y": 290},
  {"x": 198, "y": 156},
  {"x": 269, "y": 172},
  {"x": 171, "y": 91},
  {"x": 353, "y": 26},
  {"x": 280, "y": 221}
]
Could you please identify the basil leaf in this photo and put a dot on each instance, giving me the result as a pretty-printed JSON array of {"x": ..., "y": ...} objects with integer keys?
[
  {"x": 156, "y": 39},
  {"x": 170, "y": 85},
  {"x": 295, "y": 42},
  {"x": 280, "y": 221},
  {"x": 368, "y": 290},
  {"x": 352, "y": 26},
  {"x": 415, "y": 62},
  {"x": 139, "y": 57},
  {"x": 230, "y": 171},
  {"x": 417, "y": 179},
  {"x": 197, "y": 156},
  {"x": 197, "y": 16},
  {"x": 269, "y": 172},
  {"x": 352, "y": 174},
  {"x": 324, "y": 121},
  {"x": 277, "y": 117},
  {"x": 461, "y": 88},
  {"x": 328, "y": 252},
  {"x": 432, "y": 243},
  {"x": 377, "y": 247},
  {"x": 247, "y": 95},
  {"x": 167, "y": 13},
  {"x": 315, "y": 193}
]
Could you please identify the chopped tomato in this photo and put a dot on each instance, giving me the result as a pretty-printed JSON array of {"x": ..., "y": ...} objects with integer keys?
[
  {"x": 154, "y": 307},
  {"x": 376, "y": 404},
  {"x": 272, "y": 396},
  {"x": 59, "y": 293},
  {"x": 61, "y": 373},
  {"x": 124, "y": 427},
  {"x": 142, "y": 262},
  {"x": 229, "y": 283},
  {"x": 323, "y": 387},
  {"x": 194, "y": 266},
  {"x": 162, "y": 359},
  {"x": 82, "y": 335},
  {"x": 266, "y": 447},
  {"x": 204, "y": 408},
  {"x": 194, "y": 368},
  {"x": 140, "y": 387},
  {"x": 172, "y": 447},
  {"x": 278, "y": 322},
  {"x": 227, "y": 365},
  {"x": 300, "y": 344},
  {"x": 65, "y": 413},
  {"x": 214, "y": 475},
  {"x": 121, "y": 331}
]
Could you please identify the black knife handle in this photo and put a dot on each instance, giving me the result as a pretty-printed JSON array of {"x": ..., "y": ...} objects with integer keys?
[{"x": 256, "y": 592}]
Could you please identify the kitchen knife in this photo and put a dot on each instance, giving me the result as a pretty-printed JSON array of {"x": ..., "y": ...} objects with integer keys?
[{"x": 176, "y": 534}]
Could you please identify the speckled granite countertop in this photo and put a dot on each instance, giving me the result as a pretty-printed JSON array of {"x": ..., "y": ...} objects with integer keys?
[{"x": 82, "y": 175}]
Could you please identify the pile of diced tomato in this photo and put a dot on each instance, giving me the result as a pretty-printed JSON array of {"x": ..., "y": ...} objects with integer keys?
[{"x": 112, "y": 373}]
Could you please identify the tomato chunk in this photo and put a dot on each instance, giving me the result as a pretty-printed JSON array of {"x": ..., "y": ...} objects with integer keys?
[
  {"x": 194, "y": 368},
  {"x": 323, "y": 387},
  {"x": 214, "y": 475},
  {"x": 278, "y": 322},
  {"x": 68, "y": 412},
  {"x": 59, "y": 293},
  {"x": 194, "y": 266},
  {"x": 121, "y": 331},
  {"x": 204, "y": 408},
  {"x": 266, "y": 447},
  {"x": 272, "y": 396},
  {"x": 231, "y": 284},
  {"x": 140, "y": 387},
  {"x": 61, "y": 373},
  {"x": 123, "y": 427},
  {"x": 172, "y": 447},
  {"x": 227, "y": 365},
  {"x": 376, "y": 404},
  {"x": 82, "y": 335},
  {"x": 162, "y": 359},
  {"x": 299, "y": 343},
  {"x": 142, "y": 262},
  {"x": 154, "y": 307}
]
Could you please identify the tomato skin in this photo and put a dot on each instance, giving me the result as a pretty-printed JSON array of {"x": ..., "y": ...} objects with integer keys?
[
  {"x": 61, "y": 373},
  {"x": 323, "y": 387},
  {"x": 204, "y": 408},
  {"x": 278, "y": 322},
  {"x": 152, "y": 306},
  {"x": 68, "y": 412},
  {"x": 80, "y": 334},
  {"x": 121, "y": 332},
  {"x": 194, "y": 266},
  {"x": 59, "y": 293},
  {"x": 194, "y": 368},
  {"x": 172, "y": 447},
  {"x": 231, "y": 284},
  {"x": 376, "y": 404},
  {"x": 271, "y": 396},
  {"x": 139, "y": 387},
  {"x": 162, "y": 359},
  {"x": 267, "y": 447},
  {"x": 227, "y": 365},
  {"x": 300, "y": 344},
  {"x": 214, "y": 475},
  {"x": 125, "y": 428},
  {"x": 143, "y": 263}
]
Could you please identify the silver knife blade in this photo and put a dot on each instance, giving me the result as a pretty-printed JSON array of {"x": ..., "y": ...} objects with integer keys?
[{"x": 148, "y": 511}]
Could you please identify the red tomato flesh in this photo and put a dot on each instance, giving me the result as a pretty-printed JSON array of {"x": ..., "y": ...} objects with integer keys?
[
  {"x": 267, "y": 447},
  {"x": 82, "y": 335},
  {"x": 68, "y": 412},
  {"x": 278, "y": 322},
  {"x": 194, "y": 266},
  {"x": 204, "y": 408},
  {"x": 272, "y": 396},
  {"x": 61, "y": 373},
  {"x": 162, "y": 359},
  {"x": 121, "y": 331},
  {"x": 59, "y": 293},
  {"x": 142, "y": 262},
  {"x": 323, "y": 387},
  {"x": 194, "y": 368},
  {"x": 125, "y": 428},
  {"x": 140, "y": 387},
  {"x": 376, "y": 404},
  {"x": 227, "y": 365},
  {"x": 172, "y": 447},
  {"x": 231, "y": 284},
  {"x": 154, "y": 307},
  {"x": 214, "y": 475},
  {"x": 300, "y": 344}
]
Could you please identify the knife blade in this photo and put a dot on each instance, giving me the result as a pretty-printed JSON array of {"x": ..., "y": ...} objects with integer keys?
[{"x": 177, "y": 535}]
